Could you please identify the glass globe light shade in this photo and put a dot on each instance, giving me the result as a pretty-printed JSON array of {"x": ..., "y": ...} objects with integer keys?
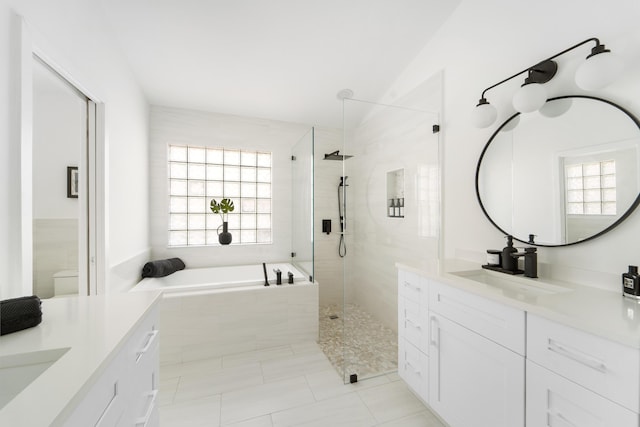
[
  {"x": 484, "y": 115},
  {"x": 598, "y": 71},
  {"x": 556, "y": 108},
  {"x": 530, "y": 97}
]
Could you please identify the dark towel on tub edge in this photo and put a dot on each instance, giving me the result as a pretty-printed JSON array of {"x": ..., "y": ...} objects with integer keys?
[{"x": 162, "y": 267}]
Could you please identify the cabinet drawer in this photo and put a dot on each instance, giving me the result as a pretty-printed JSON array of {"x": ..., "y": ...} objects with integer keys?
[
  {"x": 105, "y": 403},
  {"x": 413, "y": 287},
  {"x": 501, "y": 324},
  {"x": 413, "y": 367},
  {"x": 605, "y": 367},
  {"x": 413, "y": 324},
  {"x": 554, "y": 401}
]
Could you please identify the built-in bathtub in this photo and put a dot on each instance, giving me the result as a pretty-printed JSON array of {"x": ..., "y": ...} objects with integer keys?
[
  {"x": 211, "y": 312},
  {"x": 214, "y": 278}
]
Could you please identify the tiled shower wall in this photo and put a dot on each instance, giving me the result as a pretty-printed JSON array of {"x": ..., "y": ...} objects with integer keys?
[
  {"x": 329, "y": 267},
  {"x": 55, "y": 248}
]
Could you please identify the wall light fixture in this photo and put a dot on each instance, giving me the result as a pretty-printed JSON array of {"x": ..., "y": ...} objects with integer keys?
[{"x": 599, "y": 69}]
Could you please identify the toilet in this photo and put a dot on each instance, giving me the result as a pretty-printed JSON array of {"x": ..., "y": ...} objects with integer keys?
[{"x": 65, "y": 283}]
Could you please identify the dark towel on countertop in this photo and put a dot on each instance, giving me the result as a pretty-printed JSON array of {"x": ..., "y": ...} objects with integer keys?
[
  {"x": 162, "y": 267},
  {"x": 21, "y": 313}
]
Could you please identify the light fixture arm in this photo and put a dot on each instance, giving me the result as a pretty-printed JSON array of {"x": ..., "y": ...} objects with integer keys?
[{"x": 543, "y": 68}]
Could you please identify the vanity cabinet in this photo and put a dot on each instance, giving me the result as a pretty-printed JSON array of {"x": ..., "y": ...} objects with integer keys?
[
  {"x": 575, "y": 378},
  {"x": 476, "y": 361},
  {"x": 125, "y": 394},
  {"x": 492, "y": 364},
  {"x": 461, "y": 354}
]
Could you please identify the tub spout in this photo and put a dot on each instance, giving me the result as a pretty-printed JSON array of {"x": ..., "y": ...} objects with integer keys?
[
  {"x": 264, "y": 269},
  {"x": 278, "y": 276}
]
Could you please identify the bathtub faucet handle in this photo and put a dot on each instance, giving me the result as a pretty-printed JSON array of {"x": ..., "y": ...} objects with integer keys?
[
  {"x": 290, "y": 275},
  {"x": 278, "y": 276}
]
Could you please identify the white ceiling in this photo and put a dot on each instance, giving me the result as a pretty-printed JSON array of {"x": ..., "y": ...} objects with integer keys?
[{"x": 275, "y": 59}]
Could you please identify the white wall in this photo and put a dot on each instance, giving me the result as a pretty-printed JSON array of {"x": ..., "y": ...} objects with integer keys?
[
  {"x": 485, "y": 42},
  {"x": 73, "y": 34},
  {"x": 172, "y": 125}
]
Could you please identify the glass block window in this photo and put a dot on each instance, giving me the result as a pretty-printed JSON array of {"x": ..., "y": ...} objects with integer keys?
[
  {"x": 199, "y": 174},
  {"x": 591, "y": 188}
]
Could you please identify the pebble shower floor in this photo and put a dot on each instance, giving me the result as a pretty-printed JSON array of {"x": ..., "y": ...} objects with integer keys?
[{"x": 368, "y": 347}]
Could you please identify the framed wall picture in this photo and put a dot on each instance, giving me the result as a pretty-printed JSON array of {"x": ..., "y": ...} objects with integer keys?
[{"x": 72, "y": 182}]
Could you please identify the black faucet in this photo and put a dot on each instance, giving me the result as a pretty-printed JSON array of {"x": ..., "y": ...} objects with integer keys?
[
  {"x": 278, "y": 276},
  {"x": 264, "y": 269},
  {"x": 290, "y": 276},
  {"x": 530, "y": 261}
]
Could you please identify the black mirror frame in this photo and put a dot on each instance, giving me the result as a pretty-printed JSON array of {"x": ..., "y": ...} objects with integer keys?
[{"x": 609, "y": 228}]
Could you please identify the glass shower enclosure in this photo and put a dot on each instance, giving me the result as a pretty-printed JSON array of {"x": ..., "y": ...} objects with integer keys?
[
  {"x": 302, "y": 238},
  {"x": 388, "y": 194}
]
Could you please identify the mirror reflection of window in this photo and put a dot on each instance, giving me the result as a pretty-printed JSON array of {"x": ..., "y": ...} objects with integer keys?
[{"x": 591, "y": 188}]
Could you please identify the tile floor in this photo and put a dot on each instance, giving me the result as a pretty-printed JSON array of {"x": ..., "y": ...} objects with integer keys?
[{"x": 293, "y": 385}]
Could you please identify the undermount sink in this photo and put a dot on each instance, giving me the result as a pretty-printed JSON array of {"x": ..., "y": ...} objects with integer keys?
[
  {"x": 17, "y": 371},
  {"x": 514, "y": 286}
]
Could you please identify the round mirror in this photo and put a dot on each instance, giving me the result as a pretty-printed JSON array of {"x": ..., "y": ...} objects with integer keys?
[{"x": 563, "y": 175}]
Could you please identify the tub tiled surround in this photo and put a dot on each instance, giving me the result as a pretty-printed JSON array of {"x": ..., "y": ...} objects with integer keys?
[
  {"x": 55, "y": 248},
  {"x": 198, "y": 326},
  {"x": 179, "y": 126}
]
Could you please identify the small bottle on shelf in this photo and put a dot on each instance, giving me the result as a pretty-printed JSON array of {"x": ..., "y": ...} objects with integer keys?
[
  {"x": 396, "y": 209},
  {"x": 392, "y": 208},
  {"x": 401, "y": 207}
]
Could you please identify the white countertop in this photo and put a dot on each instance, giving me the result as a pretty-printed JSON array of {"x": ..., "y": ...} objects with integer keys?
[
  {"x": 604, "y": 313},
  {"x": 93, "y": 328}
]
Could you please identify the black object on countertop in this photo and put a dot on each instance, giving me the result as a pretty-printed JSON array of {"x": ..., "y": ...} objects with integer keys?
[
  {"x": 163, "y": 267},
  {"x": 20, "y": 313},
  {"x": 508, "y": 262}
]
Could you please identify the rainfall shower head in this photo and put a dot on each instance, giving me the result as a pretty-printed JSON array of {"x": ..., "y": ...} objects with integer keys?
[{"x": 336, "y": 156}]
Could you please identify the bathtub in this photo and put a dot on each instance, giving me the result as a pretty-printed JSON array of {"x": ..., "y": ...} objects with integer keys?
[
  {"x": 218, "y": 311},
  {"x": 212, "y": 278}
]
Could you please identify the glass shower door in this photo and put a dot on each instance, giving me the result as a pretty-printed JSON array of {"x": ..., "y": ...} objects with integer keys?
[
  {"x": 302, "y": 205},
  {"x": 390, "y": 201}
]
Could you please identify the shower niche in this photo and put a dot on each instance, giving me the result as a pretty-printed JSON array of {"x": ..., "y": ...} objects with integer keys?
[{"x": 395, "y": 193}]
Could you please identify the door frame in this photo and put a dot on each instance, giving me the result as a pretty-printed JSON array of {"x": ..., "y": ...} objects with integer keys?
[{"x": 94, "y": 160}]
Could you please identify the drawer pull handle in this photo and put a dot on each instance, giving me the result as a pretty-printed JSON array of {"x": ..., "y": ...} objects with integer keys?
[
  {"x": 147, "y": 415},
  {"x": 562, "y": 418},
  {"x": 114, "y": 398},
  {"x": 415, "y": 325},
  {"x": 151, "y": 336},
  {"x": 417, "y": 371},
  {"x": 576, "y": 356},
  {"x": 409, "y": 285},
  {"x": 433, "y": 337}
]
